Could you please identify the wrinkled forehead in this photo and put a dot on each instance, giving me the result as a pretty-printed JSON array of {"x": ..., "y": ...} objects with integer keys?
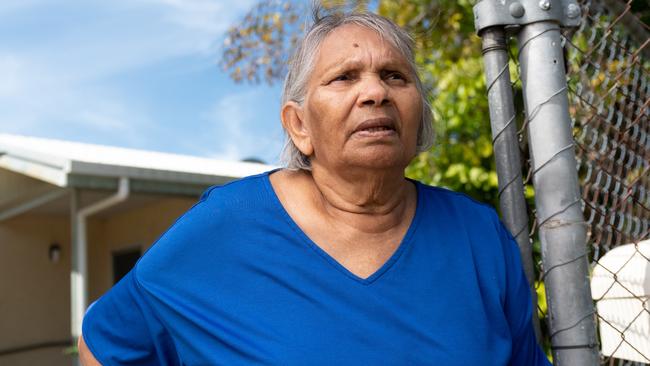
[
  {"x": 353, "y": 35},
  {"x": 352, "y": 42}
]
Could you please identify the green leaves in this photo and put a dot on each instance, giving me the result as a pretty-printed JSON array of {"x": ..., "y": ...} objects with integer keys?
[{"x": 462, "y": 157}]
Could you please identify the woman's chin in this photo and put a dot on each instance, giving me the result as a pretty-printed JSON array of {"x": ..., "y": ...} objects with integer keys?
[{"x": 380, "y": 158}]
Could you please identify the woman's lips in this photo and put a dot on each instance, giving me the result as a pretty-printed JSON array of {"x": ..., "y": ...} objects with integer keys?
[
  {"x": 376, "y": 127},
  {"x": 376, "y": 133}
]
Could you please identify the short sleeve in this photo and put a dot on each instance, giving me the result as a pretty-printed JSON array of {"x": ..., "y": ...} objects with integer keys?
[
  {"x": 518, "y": 307},
  {"x": 121, "y": 329}
]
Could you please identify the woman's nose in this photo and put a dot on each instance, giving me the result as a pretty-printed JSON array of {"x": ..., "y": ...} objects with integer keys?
[{"x": 373, "y": 92}]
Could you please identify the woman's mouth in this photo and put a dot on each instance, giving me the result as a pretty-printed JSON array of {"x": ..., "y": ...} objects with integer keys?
[{"x": 377, "y": 127}]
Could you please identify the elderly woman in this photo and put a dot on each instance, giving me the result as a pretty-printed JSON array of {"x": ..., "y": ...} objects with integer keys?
[{"x": 338, "y": 259}]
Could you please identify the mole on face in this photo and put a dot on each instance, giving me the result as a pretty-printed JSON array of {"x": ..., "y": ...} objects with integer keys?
[{"x": 355, "y": 45}]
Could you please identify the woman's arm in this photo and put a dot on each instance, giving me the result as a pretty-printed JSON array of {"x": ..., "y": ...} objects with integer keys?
[
  {"x": 121, "y": 328},
  {"x": 85, "y": 356}
]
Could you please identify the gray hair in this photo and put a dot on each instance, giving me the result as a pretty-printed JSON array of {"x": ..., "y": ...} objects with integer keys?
[{"x": 302, "y": 62}]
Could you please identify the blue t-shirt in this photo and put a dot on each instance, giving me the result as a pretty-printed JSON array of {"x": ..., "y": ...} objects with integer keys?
[{"x": 236, "y": 282}]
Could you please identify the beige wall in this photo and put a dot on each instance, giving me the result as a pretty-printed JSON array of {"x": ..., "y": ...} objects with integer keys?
[
  {"x": 35, "y": 293},
  {"x": 16, "y": 187},
  {"x": 137, "y": 228}
]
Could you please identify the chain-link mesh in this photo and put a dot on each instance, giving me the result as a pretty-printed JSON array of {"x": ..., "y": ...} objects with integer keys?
[
  {"x": 609, "y": 89},
  {"x": 609, "y": 94}
]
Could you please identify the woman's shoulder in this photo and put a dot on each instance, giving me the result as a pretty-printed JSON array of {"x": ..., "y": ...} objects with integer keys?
[
  {"x": 247, "y": 188},
  {"x": 476, "y": 230},
  {"x": 221, "y": 206},
  {"x": 457, "y": 213},
  {"x": 456, "y": 203},
  {"x": 213, "y": 226}
]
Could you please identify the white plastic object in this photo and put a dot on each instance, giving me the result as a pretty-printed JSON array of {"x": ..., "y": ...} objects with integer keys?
[{"x": 620, "y": 284}]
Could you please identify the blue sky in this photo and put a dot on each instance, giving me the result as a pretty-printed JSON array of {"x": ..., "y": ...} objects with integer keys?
[{"x": 133, "y": 73}]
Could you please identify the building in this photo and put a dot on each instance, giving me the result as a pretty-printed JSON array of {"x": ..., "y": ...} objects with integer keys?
[{"x": 74, "y": 218}]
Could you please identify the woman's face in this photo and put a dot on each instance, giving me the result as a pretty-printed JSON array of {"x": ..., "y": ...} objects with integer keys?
[{"x": 362, "y": 106}]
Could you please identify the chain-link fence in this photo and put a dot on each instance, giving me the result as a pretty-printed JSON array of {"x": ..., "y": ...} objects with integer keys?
[
  {"x": 609, "y": 95},
  {"x": 609, "y": 87}
]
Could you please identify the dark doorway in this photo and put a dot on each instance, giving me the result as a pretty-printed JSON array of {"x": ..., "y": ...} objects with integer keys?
[{"x": 123, "y": 261}]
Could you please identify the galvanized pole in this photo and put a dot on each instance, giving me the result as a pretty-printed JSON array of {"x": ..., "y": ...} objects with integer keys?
[
  {"x": 506, "y": 150},
  {"x": 562, "y": 228}
]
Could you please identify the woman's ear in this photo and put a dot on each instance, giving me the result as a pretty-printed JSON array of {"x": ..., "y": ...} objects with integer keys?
[{"x": 293, "y": 122}]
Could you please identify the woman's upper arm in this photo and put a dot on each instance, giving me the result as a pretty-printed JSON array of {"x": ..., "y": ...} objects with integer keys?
[
  {"x": 122, "y": 328},
  {"x": 85, "y": 356}
]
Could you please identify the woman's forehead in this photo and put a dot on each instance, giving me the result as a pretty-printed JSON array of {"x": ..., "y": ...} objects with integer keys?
[
  {"x": 350, "y": 43},
  {"x": 354, "y": 36}
]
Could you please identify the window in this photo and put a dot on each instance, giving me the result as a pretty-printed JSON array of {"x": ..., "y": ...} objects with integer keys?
[{"x": 123, "y": 261}]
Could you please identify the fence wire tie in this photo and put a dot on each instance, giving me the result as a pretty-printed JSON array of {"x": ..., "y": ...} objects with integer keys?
[
  {"x": 505, "y": 67},
  {"x": 521, "y": 231},
  {"x": 533, "y": 37},
  {"x": 533, "y": 114},
  {"x": 518, "y": 175},
  {"x": 591, "y": 313},
  {"x": 498, "y": 134},
  {"x": 568, "y": 147},
  {"x": 546, "y": 273},
  {"x": 568, "y": 40}
]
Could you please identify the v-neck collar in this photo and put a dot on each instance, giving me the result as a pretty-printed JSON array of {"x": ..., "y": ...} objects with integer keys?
[{"x": 322, "y": 253}]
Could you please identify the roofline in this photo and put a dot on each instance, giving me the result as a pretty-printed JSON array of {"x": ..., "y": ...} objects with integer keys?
[
  {"x": 55, "y": 175},
  {"x": 63, "y": 172},
  {"x": 145, "y": 186},
  {"x": 37, "y": 157},
  {"x": 115, "y": 171}
]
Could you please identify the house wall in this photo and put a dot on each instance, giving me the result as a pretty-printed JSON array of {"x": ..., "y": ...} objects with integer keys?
[
  {"x": 35, "y": 293},
  {"x": 16, "y": 187},
  {"x": 137, "y": 228}
]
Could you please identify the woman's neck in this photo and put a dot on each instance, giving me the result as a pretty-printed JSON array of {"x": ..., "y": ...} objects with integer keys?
[{"x": 370, "y": 200}]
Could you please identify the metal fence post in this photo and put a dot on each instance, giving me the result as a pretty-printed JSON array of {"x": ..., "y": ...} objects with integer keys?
[
  {"x": 562, "y": 228},
  {"x": 506, "y": 150}
]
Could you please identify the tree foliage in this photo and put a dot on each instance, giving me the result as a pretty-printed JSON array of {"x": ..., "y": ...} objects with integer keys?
[{"x": 449, "y": 57}]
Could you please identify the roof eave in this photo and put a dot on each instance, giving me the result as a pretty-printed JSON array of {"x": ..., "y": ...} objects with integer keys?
[
  {"x": 80, "y": 168},
  {"x": 55, "y": 174}
]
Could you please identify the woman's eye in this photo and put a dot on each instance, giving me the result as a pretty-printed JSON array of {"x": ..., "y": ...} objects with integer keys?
[
  {"x": 395, "y": 76},
  {"x": 342, "y": 77}
]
